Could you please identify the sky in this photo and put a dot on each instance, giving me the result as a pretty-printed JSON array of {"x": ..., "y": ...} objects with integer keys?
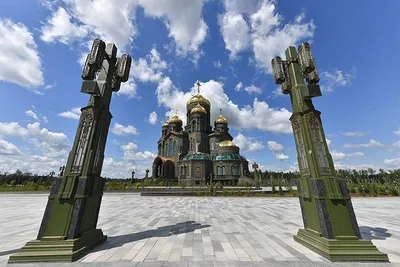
[{"x": 225, "y": 44}]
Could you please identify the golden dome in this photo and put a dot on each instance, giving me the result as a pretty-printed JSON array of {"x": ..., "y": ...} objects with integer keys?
[
  {"x": 198, "y": 99},
  {"x": 166, "y": 124},
  {"x": 221, "y": 119},
  {"x": 226, "y": 143},
  {"x": 175, "y": 119},
  {"x": 198, "y": 109}
]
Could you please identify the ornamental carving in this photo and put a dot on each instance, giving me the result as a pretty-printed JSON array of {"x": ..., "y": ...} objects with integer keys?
[
  {"x": 319, "y": 144},
  {"x": 85, "y": 130},
  {"x": 298, "y": 136}
]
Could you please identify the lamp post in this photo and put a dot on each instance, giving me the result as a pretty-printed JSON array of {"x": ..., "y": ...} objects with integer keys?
[
  {"x": 68, "y": 227},
  {"x": 330, "y": 224}
]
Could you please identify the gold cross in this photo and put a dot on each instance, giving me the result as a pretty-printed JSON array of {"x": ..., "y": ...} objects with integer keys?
[
  {"x": 198, "y": 87},
  {"x": 176, "y": 111},
  {"x": 220, "y": 112}
]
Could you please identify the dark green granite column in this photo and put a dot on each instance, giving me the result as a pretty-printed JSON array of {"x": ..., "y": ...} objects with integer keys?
[
  {"x": 330, "y": 224},
  {"x": 68, "y": 226}
]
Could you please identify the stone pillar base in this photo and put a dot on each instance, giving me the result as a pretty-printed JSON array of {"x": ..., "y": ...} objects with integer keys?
[
  {"x": 346, "y": 249},
  {"x": 56, "y": 249}
]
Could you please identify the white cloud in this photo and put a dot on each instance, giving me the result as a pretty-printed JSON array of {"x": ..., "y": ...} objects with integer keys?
[
  {"x": 247, "y": 144},
  {"x": 338, "y": 155},
  {"x": 148, "y": 69},
  {"x": 153, "y": 118},
  {"x": 19, "y": 59},
  {"x": 114, "y": 21},
  {"x": 371, "y": 143},
  {"x": 138, "y": 156},
  {"x": 7, "y": 148},
  {"x": 328, "y": 142},
  {"x": 51, "y": 144},
  {"x": 109, "y": 20},
  {"x": 258, "y": 116},
  {"x": 355, "y": 154},
  {"x": 128, "y": 88},
  {"x": 336, "y": 78},
  {"x": 342, "y": 166},
  {"x": 351, "y": 134},
  {"x": 238, "y": 86},
  {"x": 183, "y": 20},
  {"x": 252, "y": 89},
  {"x": 265, "y": 32},
  {"x": 397, "y": 132},
  {"x": 217, "y": 64},
  {"x": 277, "y": 92},
  {"x": 122, "y": 130},
  {"x": 32, "y": 114},
  {"x": 36, "y": 164},
  {"x": 74, "y": 113},
  {"x": 393, "y": 163},
  {"x": 235, "y": 31},
  {"x": 60, "y": 28},
  {"x": 123, "y": 169},
  {"x": 396, "y": 144},
  {"x": 36, "y": 115},
  {"x": 277, "y": 150}
]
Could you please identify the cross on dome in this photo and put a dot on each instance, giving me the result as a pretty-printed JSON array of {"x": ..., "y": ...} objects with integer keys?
[{"x": 198, "y": 87}]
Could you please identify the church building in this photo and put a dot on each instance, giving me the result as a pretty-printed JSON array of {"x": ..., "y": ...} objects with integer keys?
[{"x": 197, "y": 153}]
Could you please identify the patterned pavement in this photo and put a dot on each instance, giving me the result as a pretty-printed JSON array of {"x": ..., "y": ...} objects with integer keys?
[{"x": 198, "y": 231}]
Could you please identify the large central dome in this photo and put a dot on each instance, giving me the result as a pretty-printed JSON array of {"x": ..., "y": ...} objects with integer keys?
[{"x": 198, "y": 99}]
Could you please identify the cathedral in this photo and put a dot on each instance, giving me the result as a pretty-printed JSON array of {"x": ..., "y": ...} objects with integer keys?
[{"x": 197, "y": 153}]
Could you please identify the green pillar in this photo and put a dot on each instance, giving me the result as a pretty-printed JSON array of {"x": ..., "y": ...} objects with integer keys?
[
  {"x": 68, "y": 227},
  {"x": 330, "y": 224}
]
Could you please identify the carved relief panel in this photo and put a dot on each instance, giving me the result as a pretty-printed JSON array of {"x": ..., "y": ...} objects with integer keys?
[
  {"x": 303, "y": 163},
  {"x": 319, "y": 145}
]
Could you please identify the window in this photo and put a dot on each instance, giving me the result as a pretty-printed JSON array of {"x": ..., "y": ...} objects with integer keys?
[
  {"x": 194, "y": 126},
  {"x": 235, "y": 170},
  {"x": 175, "y": 148},
  {"x": 223, "y": 170},
  {"x": 170, "y": 148},
  {"x": 219, "y": 170},
  {"x": 184, "y": 169}
]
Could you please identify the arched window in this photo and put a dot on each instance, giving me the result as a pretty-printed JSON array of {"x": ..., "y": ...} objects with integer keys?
[
  {"x": 170, "y": 148},
  {"x": 175, "y": 148},
  {"x": 223, "y": 170},
  {"x": 193, "y": 145},
  {"x": 194, "y": 125},
  {"x": 184, "y": 169},
  {"x": 219, "y": 170}
]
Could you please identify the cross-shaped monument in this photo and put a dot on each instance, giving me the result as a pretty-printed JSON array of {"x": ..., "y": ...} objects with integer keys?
[
  {"x": 69, "y": 222},
  {"x": 330, "y": 224}
]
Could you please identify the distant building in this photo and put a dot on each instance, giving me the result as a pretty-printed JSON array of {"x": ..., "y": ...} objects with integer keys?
[{"x": 197, "y": 153}]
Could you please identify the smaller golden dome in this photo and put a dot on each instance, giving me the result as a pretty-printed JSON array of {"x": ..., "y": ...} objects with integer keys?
[
  {"x": 221, "y": 119},
  {"x": 226, "y": 143},
  {"x": 175, "y": 119},
  {"x": 166, "y": 124},
  {"x": 198, "y": 109}
]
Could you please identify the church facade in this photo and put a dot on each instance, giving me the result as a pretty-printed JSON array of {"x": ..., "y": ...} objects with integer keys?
[{"x": 198, "y": 153}]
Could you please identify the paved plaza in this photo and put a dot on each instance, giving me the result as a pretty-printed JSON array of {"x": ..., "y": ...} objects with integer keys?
[{"x": 198, "y": 231}]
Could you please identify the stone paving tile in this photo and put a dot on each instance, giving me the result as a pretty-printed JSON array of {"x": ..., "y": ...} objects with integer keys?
[{"x": 195, "y": 231}]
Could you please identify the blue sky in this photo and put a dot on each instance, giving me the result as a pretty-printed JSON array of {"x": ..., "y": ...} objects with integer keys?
[{"x": 227, "y": 45}]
